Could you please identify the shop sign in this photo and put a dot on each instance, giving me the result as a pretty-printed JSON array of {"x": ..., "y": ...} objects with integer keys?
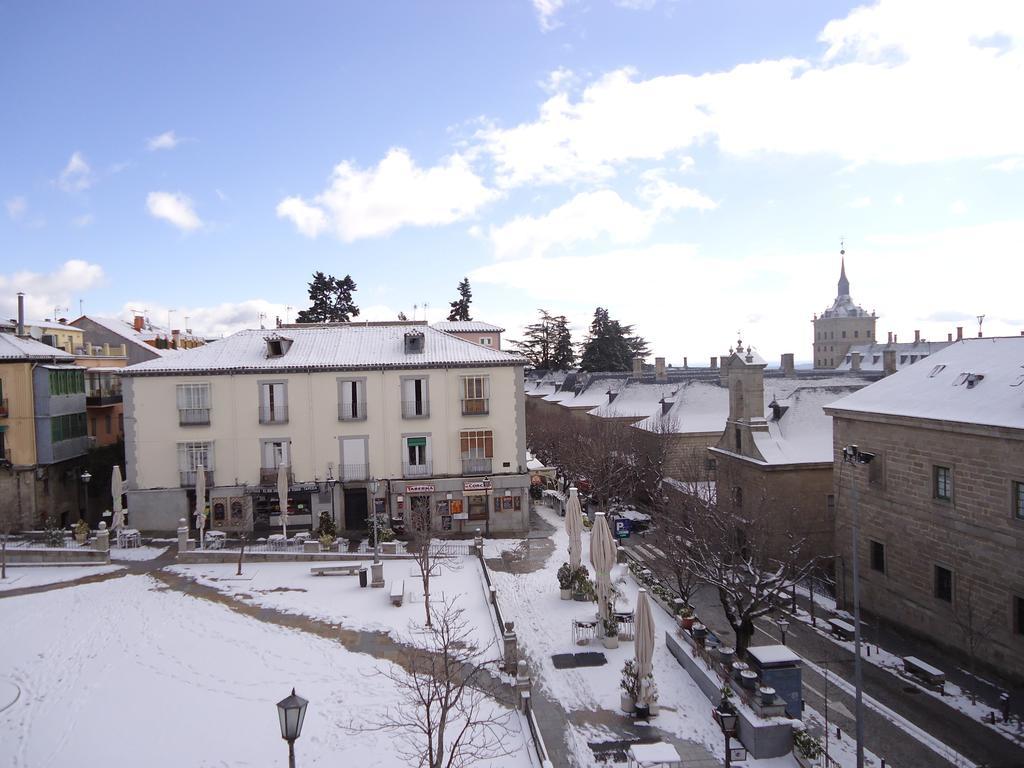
[
  {"x": 461, "y": 516},
  {"x": 422, "y": 488},
  {"x": 476, "y": 485}
]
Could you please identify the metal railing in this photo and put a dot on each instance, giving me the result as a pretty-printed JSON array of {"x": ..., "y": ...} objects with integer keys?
[
  {"x": 188, "y": 417},
  {"x": 417, "y": 470},
  {"x": 56, "y": 539},
  {"x": 188, "y": 479},
  {"x": 277, "y": 414},
  {"x": 415, "y": 409},
  {"x": 351, "y": 411},
  {"x": 354, "y": 472},
  {"x": 475, "y": 406},
  {"x": 3, "y": 407},
  {"x": 476, "y": 466},
  {"x": 269, "y": 476}
]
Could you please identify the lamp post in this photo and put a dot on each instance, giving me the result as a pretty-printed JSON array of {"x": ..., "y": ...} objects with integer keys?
[
  {"x": 85, "y": 478},
  {"x": 783, "y": 626},
  {"x": 332, "y": 481},
  {"x": 291, "y": 711},
  {"x": 376, "y": 567},
  {"x": 854, "y": 456},
  {"x": 725, "y": 713}
]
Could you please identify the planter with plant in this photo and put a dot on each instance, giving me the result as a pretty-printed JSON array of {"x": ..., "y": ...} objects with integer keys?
[
  {"x": 81, "y": 531},
  {"x": 565, "y": 581},
  {"x": 582, "y": 586},
  {"x": 611, "y": 632},
  {"x": 807, "y": 749},
  {"x": 52, "y": 535},
  {"x": 686, "y": 617},
  {"x": 630, "y": 684},
  {"x": 326, "y": 542}
]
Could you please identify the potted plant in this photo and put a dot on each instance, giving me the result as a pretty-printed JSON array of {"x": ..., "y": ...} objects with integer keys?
[
  {"x": 807, "y": 749},
  {"x": 52, "y": 535},
  {"x": 565, "y": 581},
  {"x": 582, "y": 588},
  {"x": 686, "y": 617},
  {"x": 699, "y": 632},
  {"x": 611, "y": 632},
  {"x": 81, "y": 531},
  {"x": 726, "y": 654},
  {"x": 767, "y": 695},
  {"x": 326, "y": 542},
  {"x": 630, "y": 685}
]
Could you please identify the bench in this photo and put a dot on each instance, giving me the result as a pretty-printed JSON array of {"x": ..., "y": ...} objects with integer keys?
[
  {"x": 397, "y": 592},
  {"x": 925, "y": 671},
  {"x": 336, "y": 570},
  {"x": 844, "y": 630}
]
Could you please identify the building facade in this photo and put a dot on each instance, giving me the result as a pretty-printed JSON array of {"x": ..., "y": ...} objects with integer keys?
[
  {"x": 841, "y": 326},
  {"x": 941, "y": 506},
  {"x": 436, "y": 421},
  {"x": 485, "y": 334}
]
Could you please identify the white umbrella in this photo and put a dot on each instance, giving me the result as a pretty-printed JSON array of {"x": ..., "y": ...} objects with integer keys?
[
  {"x": 602, "y": 557},
  {"x": 200, "y": 502},
  {"x": 116, "y": 491},
  {"x": 574, "y": 527},
  {"x": 644, "y": 645},
  {"x": 282, "y": 495}
]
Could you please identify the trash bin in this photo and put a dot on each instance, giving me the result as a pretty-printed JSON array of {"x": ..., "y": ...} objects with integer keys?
[{"x": 362, "y": 576}]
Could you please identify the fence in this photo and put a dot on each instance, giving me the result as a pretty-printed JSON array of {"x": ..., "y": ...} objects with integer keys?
[
  {"x": 48, "y": 540},
  {"x": 538, "y": 740}
]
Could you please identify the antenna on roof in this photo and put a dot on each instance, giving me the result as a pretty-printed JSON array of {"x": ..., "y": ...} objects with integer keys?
[
  {"x": 262, "y": 317},
  {"x": 842, "y": 246},
  {"x": 981, "y": 319}
]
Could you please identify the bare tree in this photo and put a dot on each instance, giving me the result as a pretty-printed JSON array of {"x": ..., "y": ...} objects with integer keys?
[
  {"x": 445, "y": 718},
  {"x": 428, "y": 557},
  {"x": 975, "y": 623}
]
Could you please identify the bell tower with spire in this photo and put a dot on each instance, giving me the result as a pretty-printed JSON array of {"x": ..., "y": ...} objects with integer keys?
[{"x": 842, "y": 325}]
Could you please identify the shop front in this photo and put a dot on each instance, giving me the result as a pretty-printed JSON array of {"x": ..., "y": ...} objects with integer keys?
[{"x": 266, "y": 514}]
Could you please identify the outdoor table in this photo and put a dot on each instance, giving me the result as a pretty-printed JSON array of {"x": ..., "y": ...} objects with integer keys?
[
  {"x": 215, "y": 539},
  {"x": 582, "y": 631},
  {"x": 626, "y": 625},
  {"x": 277, "y": 541},
  {"x": 128, "y": 537}
]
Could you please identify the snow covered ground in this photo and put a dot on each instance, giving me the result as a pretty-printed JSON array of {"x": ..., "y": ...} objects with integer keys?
[
  {"x": 136, "y": 553},
  {"x": 128, "y": 672},
  {"x": 21, "y": 576}
]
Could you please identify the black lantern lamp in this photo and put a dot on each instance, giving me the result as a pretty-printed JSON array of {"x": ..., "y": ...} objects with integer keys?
[{"x": 291, "y": 710}]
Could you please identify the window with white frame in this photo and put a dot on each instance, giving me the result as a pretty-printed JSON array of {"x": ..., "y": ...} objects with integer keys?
[
  {"x": 415, "y": 397},
  {"x": 276, "y": 453},
  {"x": 351, "y": 399},
  {"x": 486, "y": 341},
  {"x": 194, "y": 457},
  {"x": 193, "y": 404},
  {"x": 273, "y": 402},
  {"x": 475, "y": 395},
  {"x": 477, "y": 448}
]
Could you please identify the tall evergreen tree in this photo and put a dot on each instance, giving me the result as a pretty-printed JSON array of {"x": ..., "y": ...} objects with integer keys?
[
  {"x": 460, "y": 307},
  {"x": 611, "y": 346},
  {"x": 538, "y": 344},
  {"x": 563, "y": 354},
  {"x": 330, "y": 300}
]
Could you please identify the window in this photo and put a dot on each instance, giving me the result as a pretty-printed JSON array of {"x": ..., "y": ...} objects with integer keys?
[
  {"x": 108, "y": 423},
  {"x": 68, "y": 427},
  {"x": 737, "y": 497},
  {"x": 943, "y": 584},
  {"x": 485, "y": 340},
  {"x": 67, "y": 382},
  {"x": 739, "y": 440},
  {"x": 95, "y": 427},
  {"x": 120, "y": 423},
  {"x": 273, "y": 402},
  {"x": 193, "y": 404},
  {"x": 415, "y": 398},
  {"x": 193, "y": 458},
  {"x": 856, "y": 334},
  {"x": 475, "y": 391},
  {"x": 416, "y": 461},
  {"x": 355, "y": 464},
  {"x": 943, "y": 483},
  {"x": 830, "y": 506},
  {"x": 352, "y": 399},
  {"x": 844, "y": 334},
  {"x": 477, "y": 447},
  {"x": 877, "y": 556},
  {"x": 276, "y": 453}
]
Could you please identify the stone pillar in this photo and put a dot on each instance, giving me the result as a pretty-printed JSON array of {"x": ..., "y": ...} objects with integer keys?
[
  {"x": 714, "y": 362},
  {"x": 788, "y": 366},
  {"x": 523, "y": 683},
  {"x": 511, "y": 648},
  {"x": 855, "y": 361},
  {"x": 102, "y": 538},
  {"x": 889, "y": 361},
  {"x": 638, "y": 366},
  {"x": 660, "y": 375},
  {"x": 377, "y": 575},
  {"x": 478, "y": 540},
  {"x": 182, "y": 536}
]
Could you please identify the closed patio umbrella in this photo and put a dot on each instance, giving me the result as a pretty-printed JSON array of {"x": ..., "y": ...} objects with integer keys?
[
  {"x": 574, "y": 527},
  {"x": 282, "y": 495},
  {"x": 602, "y": 557},
  {"x": 644, "y": 645},
  {"x": 116, "y": 492},
  {"x": 201, "y": 503}
]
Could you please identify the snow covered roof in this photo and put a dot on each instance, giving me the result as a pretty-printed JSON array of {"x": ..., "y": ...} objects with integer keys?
[
  {"x": 654, "y": 755},
  {"x": 773, "y": 654},
  {"x": 125, "y": 331},
  {"x": 973, "y": 381},
  {"x": 16, "y": 348},
  {"x": 466, "y": 326},
  {"x": 594, "y": 394},
  {"x": 637, "y": 400},
  {"x": 907, "y": 353},
  {"x": 700, "y": 406},
  {"x": 342, "y": 346}
]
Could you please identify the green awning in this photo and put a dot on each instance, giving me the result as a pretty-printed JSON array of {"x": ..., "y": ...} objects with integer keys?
[{"x": 413, "y": 441}]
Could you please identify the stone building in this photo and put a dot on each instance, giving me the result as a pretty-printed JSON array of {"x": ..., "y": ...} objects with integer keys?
[
  {"x": 941, "y": 507},
  {"x": 841, "y": 326}
]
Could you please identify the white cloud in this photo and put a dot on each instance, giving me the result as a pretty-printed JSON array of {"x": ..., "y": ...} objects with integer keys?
[
  {"x": 166, "y": 140},
  {"x": 547, "y": 10},
  {"x": 175, "y": 208},
  {"x": 77, "y": 175},
  {"x": 590, "y": 216},
  {"x": 861, "y": 202},
  {"x": 84, "y": 220},
  {"x": 559, "y": 81},
  {"x": 958, "y": 208},
  {"x": 898, "y": 199},
  {"x": 16, "y": 208},
  {"x": 44, "y": 291},
  {"x": 377, "y": 201},
  {"x": 1009, "y": 165},
  {"x": 635, "y": 5},
  {"x": 887, "y": 89}
]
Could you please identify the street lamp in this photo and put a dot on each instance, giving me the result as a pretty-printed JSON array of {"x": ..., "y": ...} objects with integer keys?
[
  {"x": 291, "y": 711},
  {"x": 783, "y": 626},
  {"x": 854, "y": 456},
  {"x": 372, "y": 485},
  {"x": 726, "y": 716},
  {"x": 85, "y": 478}
]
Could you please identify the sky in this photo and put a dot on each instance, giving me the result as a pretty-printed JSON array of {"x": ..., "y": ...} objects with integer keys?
[{"x": 691, "y": 166}]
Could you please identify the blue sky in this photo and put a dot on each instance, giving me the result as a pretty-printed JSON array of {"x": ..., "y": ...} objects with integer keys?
[{"x": 690, "y": 165}]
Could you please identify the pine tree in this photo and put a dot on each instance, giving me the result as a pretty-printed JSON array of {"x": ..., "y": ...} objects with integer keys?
[
  {"x": 611, "y": 346},
  {"x": 538, "y": 344},
  {"x": 460, "y": 307},
  {"x": 330, "y": 300},
  {"x": 563, "y": 354}
]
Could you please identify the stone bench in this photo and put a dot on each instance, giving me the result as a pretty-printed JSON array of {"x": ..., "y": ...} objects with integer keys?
[
  {"x": 844, "y": 630},
  {"x": 924, "y": 670},
  {"x": 336, "y": 570},
  {"x": 397, "y": 592}
]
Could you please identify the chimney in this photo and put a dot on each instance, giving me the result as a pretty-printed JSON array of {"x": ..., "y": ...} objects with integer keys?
[
  {"x": 666, "y": 405},
  {"x": 686, "y": 363},
  {"x": 917, "y": 337},
  {"x": 895, "y": 339},
  {"x": 714, "y": 360},
  {"x": 855, "y": 361},
  {"x": 890, "y": 337},
  {"x": 106, "y": 349},
  {"x": 21, "y": 313},
  {"x": 949, "y": 336},
  {"x": 659, "y": 369},
  {"x": 638, "y": 366},
  {"x": 959, "y": 333},
  {"x": 138, "y": 322},
  {"x": 889, "y": 361},
  {"x": 723, "y": 372},
  {"x": 788, "y": 367}
]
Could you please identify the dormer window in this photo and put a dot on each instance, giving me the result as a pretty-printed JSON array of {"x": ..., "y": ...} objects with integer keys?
[
  {"x": 277, "y": 346},
  {"x": 414, "y": 342}
]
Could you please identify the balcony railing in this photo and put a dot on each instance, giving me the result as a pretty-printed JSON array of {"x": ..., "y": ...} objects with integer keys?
[
  {"x": 354, "y": 472},
  {"x": 475, "y": 406},
  {"x": 103, "y": 395},
  {"x": 6, "y": 456},
  {"x": 417, "y": 470},
  {"x": 276, "y": 415},
  {"x": 3, "y": 408},
  {"x": 476, "y": 466},
  {"x": 269, "y": 477},
  {"x": 351, "y": 411},
  {"x": 188, "y": 479},
  {"x": 415, "y": 409},
  {"x": 190, "y": 417}
]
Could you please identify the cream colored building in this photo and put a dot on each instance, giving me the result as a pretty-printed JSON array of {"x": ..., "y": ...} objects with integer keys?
[{"x": 437, "y": 421}]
